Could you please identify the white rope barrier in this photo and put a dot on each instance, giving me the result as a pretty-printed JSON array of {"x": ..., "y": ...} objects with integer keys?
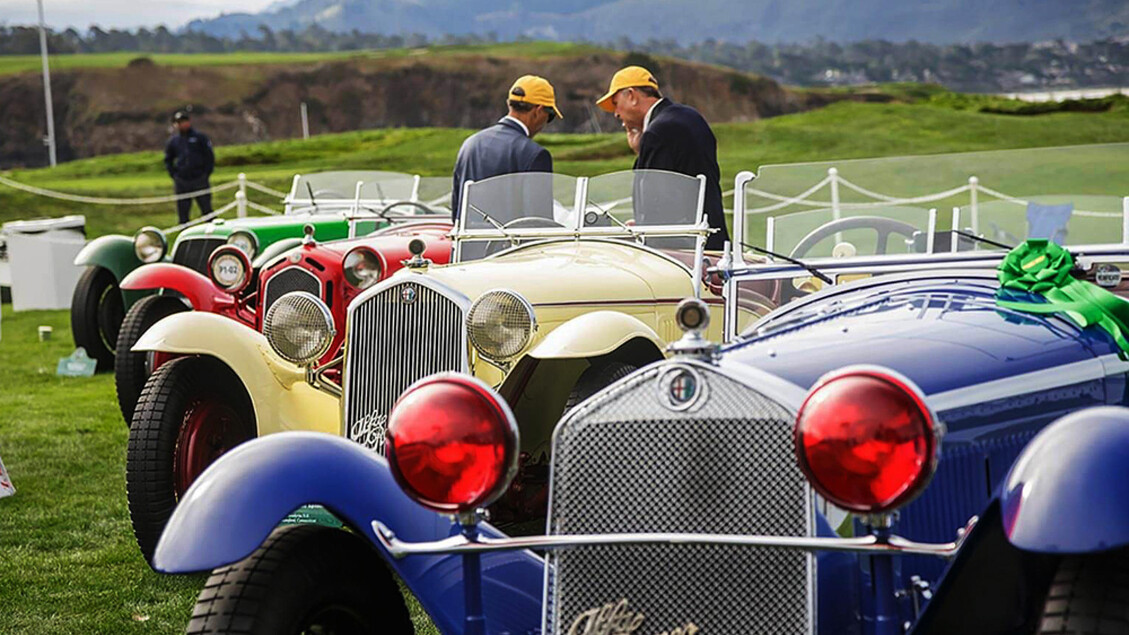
[
  {"x": 1018, "y": 201},
  {"x": 266, "y": 190},
  {"x": 262, "y": 208},
  {"x": 203, "y": 219},
  {"x": 96, "y": 200}
]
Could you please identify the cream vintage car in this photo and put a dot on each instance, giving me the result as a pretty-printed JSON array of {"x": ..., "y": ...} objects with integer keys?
[{"x": 557, "y": 287}]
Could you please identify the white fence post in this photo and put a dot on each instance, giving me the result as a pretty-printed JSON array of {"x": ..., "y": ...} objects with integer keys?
[
  {"x": 954, "y": 242},
  {"x": 973, "y": 204},
  {"x": 305, "y": 122},
  {"x": 241, "y": 197},
  {"x": 1125, "y": 221},
  {"x": 836, "y": 213}
]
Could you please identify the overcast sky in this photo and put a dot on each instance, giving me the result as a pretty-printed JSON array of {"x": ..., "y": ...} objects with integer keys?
[{"x": 121, "y": 13}]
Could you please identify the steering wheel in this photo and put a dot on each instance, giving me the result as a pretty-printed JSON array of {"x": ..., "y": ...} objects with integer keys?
[
  {"x": 884, "y": 227},
  {"x": 527, "y": 222},
  {"x": 423, "y": 209}
]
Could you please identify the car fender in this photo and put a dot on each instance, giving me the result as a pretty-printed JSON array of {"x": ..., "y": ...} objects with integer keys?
[
  {"x": 279, "y": 393},
  {"x": 236, "y": 503},
  {"x": 196, "y": 287},
  {"x": 274, "y": 250},
  {"x": 113, "y": 252},
  {"x": 1068, "y": 492},
  {"x": 594, "y": 334}
]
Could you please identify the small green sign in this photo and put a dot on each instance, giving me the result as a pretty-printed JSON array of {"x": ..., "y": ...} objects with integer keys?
[
  {"x": 313, "y": 515},
  {"x": 77, "y": 365}
]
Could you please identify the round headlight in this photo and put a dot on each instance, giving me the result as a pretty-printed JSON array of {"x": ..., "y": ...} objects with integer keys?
[
  {"x": 500, "y": 324},
  {"x": 150, "y": 244},
  {"x": 363, "y": 268},
  {"x": 245, "y": 241},
  {"x": 229, "y": 268},
  {"x": 299, "y": 327}
]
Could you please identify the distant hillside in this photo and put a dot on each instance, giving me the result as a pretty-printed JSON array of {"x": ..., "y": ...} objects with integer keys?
[
  {"x": 937, "y": 21},
  {"x": 111, "y": 110}
]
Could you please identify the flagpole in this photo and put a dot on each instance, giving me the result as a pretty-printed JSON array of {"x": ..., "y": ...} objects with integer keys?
[{"x": 50, "y": 140}]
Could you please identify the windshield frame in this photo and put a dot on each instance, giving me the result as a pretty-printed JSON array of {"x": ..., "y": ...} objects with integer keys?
[
  {"x": 297, "y": 202},
  {"x": 576, "y": 229}
]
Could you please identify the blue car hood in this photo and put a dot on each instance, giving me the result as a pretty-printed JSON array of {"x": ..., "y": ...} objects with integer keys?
[{"x": 943, "y": 334}]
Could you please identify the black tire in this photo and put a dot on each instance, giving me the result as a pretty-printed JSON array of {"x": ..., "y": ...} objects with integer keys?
[
  {"x": 595, "y": 378},
  {"x": 97, "y": 310},
  {"x": 169, "y": 397},
  {"x": 132, "y": 369},
  {"x": 299, "y": 573},
  {"x": 1089, "y": 596}
]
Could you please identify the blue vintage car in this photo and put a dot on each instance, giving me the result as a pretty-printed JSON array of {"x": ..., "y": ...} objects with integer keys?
[{"x": 941, "y": 448}]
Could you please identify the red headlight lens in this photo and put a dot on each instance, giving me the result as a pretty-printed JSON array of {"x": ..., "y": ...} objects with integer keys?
[
  {"x": 452, "y": 443},
  {"x": 866, "y": 441}
]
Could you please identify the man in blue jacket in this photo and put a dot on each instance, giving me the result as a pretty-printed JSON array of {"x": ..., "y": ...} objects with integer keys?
[
  {"x": 189, "y": 160},
  {"x": 507, "y": 147},
  {"x": 668, "y": 136}
]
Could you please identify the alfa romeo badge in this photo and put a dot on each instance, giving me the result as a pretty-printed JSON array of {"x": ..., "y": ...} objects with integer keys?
[
  {"x": 680, "y": 388},
  {"x": 408, "y": 294}
]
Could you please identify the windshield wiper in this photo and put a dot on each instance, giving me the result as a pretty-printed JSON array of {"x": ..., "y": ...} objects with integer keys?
[
  {"x": 490, "y": 219},
  {"x": 987, "y": 241},
  {"x": 606, "y": 213},
  {"x": 313, "y": 200},
  {"x": 799, "y": 263}
]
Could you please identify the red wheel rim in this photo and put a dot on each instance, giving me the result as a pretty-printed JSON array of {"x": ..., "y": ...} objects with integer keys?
[{"x": 210, "y": 428}]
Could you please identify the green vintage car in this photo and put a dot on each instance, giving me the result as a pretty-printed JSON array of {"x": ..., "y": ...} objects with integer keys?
[{"x": 325, "y": 200}]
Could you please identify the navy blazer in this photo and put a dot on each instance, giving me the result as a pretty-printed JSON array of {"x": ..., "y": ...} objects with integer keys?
[
  {"x": 503, "y": 148},
  {"x": 678, "y": 139}
]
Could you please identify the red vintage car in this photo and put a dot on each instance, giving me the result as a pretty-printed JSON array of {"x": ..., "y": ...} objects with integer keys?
[{"x": 243, "y": 290}]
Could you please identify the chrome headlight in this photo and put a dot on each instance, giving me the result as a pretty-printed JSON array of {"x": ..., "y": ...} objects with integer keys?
[
  {"x": 362, "y": 267},
  {"x": 299, "y": 327},
  {"x": 500, "y": 324},
  {"x": 246, "y": 241},
  {"x": 150, "y": 244},
  {"x": 229, "y": 268}
]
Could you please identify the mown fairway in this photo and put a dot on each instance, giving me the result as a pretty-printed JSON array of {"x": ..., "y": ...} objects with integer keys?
[{"x": 68, "y": 563}]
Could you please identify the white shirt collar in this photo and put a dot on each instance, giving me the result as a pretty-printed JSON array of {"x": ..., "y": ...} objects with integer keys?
[
  {"x": 651, "y": 110},
  {"x": 518, "y": 122}
]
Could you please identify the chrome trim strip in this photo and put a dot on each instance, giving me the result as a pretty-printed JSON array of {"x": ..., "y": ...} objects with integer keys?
[{"x": 459, "y": 544}]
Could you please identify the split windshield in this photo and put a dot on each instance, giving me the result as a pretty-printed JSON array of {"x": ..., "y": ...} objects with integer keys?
[
  {"x": 1072, "y": 195},
  {"x": 659, "y": 209}
]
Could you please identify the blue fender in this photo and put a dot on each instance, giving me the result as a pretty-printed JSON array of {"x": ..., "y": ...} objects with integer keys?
[
  {"x": 113, "y": 252},
  {"x": 241, "y": 498},
  {"x": 1068, "y": 492}
]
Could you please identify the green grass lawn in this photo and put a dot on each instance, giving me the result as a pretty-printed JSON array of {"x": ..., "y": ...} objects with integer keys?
[
  {"x": 68, "y": 561},
  {"x": 841, "y": 131}
]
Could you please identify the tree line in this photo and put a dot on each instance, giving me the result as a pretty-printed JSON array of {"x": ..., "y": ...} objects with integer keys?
[{"x": 966, "y": 67}]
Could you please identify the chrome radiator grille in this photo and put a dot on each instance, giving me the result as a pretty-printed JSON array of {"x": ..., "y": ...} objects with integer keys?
[
  {"x": 194, "y": 252},
  {"x": 287, "y": 280},
  {"x": 401, "y": 334},
  {"x": 628, "y": 461}
]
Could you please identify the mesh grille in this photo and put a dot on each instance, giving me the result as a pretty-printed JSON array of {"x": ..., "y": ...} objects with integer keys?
[
  {"x": 287, "y": 280},
  {"x": 194, "y": 252},
  {"x": 625, "y": 462},
  {"x": 396, "y": 337}
]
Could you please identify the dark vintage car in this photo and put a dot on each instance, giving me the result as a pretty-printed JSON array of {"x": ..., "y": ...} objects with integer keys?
[{"x": 939, "y": 449}]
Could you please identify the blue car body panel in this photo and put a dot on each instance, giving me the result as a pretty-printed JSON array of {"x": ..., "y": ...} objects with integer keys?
[
  {"x": 239, "y": 500},
  {"x": 1070, "y": 491}
]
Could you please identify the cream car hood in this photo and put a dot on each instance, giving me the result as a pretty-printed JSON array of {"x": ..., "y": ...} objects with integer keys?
[{"x": 569, "y": 271}]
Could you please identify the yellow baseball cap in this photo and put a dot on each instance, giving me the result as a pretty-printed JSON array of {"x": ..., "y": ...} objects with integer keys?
[
  {"x": 629, "y": 77},
  {"x": 535, "y": 90}
]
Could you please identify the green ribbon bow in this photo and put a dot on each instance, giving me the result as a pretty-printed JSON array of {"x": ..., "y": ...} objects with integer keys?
[{"x": 1042, "y": 267}]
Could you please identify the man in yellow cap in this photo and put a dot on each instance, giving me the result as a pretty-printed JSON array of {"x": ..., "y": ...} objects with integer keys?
[
  {"x": 507, "y": 146},
  {"x": 668, "y": 136}
]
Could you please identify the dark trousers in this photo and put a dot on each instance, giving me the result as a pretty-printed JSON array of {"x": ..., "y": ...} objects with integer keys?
[{"x": 184, "y": 205}]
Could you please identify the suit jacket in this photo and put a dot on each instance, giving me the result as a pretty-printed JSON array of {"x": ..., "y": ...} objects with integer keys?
[
  {"x": 678, "y": 139},
  {"x": 503, "y": 148},
  {"x": 189, "y": 156}
]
